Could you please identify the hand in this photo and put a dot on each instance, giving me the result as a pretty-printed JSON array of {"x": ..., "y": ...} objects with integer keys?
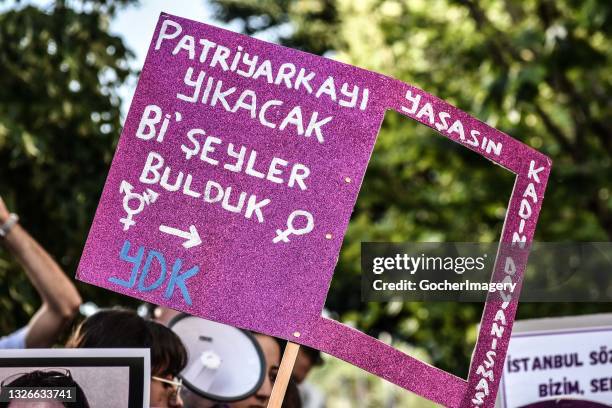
[{"x": 4, "y": 212}]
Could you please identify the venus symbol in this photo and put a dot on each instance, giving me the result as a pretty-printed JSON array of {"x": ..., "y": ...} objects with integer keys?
[{"x": 283, "y": 236}]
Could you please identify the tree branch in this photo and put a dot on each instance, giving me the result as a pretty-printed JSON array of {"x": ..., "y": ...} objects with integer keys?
[{"x": 555, "y": 131}]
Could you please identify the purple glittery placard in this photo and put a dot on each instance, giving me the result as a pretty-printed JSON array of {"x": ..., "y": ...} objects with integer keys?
[{"x": 208, "y": 233}]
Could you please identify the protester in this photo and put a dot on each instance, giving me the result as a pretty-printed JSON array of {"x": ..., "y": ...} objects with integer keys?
[
  {"x": 306, "y": 360},
  {"x": 122, "y": 328},
  {"x": 52, "y": 379},
  {"x": 272, "y": 349},
  {"x": 272, "y": 354},
  {"x": 60, "y": 299}
]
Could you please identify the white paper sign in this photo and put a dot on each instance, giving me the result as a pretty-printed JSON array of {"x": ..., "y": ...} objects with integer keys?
[
  {"x": 90, "y": 377},
  {"x": 566, "y": 363}
]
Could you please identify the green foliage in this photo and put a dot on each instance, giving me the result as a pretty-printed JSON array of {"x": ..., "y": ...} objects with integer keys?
[
  {"x": 59, "y": 121},
  {"x": 539, "y": 70}
]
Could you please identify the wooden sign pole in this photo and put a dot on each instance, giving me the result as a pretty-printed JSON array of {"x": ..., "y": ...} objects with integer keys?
[{"x": 284, "y": 375}]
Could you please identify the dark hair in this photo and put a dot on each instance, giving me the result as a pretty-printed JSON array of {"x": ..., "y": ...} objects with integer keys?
[
  {"x": 292, "y": 396},
  {"x": 123, "y": 328},
  {"x": 313, "y": 355},
  {"x": 50, "y": 379},
  {"x": 168, "y": 354},
  {"x": 111, "y": 328}
]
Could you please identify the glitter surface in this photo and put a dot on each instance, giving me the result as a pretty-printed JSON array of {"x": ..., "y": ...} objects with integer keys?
[{"x": 247, "y": 280}]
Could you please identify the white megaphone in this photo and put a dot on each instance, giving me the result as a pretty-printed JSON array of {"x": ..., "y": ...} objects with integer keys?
[{"x": 225, "y": 363}]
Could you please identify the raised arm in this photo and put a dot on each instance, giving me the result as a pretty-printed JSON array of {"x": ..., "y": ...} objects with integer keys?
[{"x": 60, "y": 299}]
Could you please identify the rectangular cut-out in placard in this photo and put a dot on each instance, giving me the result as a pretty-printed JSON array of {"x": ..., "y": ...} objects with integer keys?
[{"x": 234, "y": 180}]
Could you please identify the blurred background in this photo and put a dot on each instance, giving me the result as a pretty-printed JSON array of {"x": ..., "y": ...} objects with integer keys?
[{"x": 539, "y": 70}]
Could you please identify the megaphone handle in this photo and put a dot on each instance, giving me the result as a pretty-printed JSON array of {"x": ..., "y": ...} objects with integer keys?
[{"x": 284, "y": 375}]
